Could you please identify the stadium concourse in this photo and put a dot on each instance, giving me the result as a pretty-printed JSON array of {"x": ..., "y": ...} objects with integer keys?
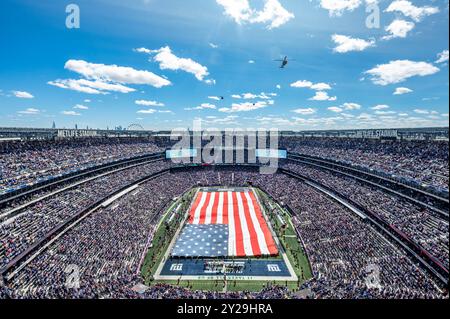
[{"x": 49, "y": 229}]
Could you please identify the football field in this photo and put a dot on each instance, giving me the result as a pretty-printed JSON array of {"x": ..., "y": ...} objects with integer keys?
[
  {"x": 215, "y": 236},
  {"x": 225, "y": 223},
  {"x": 225, "y": 236}
]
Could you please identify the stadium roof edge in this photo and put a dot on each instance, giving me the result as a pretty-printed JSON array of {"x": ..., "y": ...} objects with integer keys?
[{"x": 49, "y": 133}]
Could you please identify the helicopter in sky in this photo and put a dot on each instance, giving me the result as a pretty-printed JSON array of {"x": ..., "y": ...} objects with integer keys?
[{"x": 284, "y": 62}]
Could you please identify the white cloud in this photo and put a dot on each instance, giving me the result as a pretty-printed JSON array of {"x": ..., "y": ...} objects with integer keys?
[
  {"x": 169, "y": 61},
  {"x": 143, "y": 50},
  {"x": 148, "y": 103},
  {"x": 30, "y": 111},
  {"x": 252, "y": 96},
  {"x": 22, "y": 95},
  {"x": 347, "y": 115},
  {"x": 442, "y": 57},
  {"x": 380, "y": 107},
  {"x": 323, "y": 96},
  {"x": 385, "y": 112},
  {"x": 202, "y": 106},
  {"x": 278, "y": 86},
  {"x": 273, "y": 13},
  {"x": 398, "y": 29},
  {"x": 351, "y": 106},
  {"x": 410, "y": 10},
  {"x": 74, "y": 85},
  {"x": 302, "y": 84},
  {"x": 249, "y": 96},
  {"x": 400, "y": 70},
  {"x": 230, "y": 119},
  {"x": 239, "y": 10},
  {"x": 207, "y": 106},
  {"x": 345, "y": 106},
  {"x": 149, "y": 111},
  {"x": 435, "y": 98},
  {"x": 70, "y": 113},
  {"x": 91, "y": 87},
  {"x": 335, "y": 109},
  {"x": 337, "y": 7},
  {"x": 365, "y": 117},
  {"x": 210, "y": 81},
  {"x": 117, "y": 74},
  {"x": 246, "y": 106},
  {"x": 152, "y": 111},
  {"x": 104, "y": 86},
  {"x": 87, "y": 101},
  {"x": 81, "y": 107},
  {"x": 251, "y": 61},
  {"x": 320, "y": 86},
  {"x": 313, "y": 86},
  {"x": 347, "y": 44},
  {"x": 421, "y": 111},
  {"x": 307, "y": 111},
  {"x": 273, "y": 120},
  {"x": 402, "y": 90}
]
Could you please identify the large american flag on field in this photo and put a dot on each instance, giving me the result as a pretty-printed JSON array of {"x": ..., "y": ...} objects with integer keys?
[{"x": 246, "y": 228}]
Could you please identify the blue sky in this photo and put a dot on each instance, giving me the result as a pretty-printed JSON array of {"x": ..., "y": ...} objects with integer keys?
[{"x": 163, "y": 63}]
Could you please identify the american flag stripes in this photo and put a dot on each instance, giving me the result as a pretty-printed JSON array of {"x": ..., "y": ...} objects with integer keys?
[{"x": 248, "y": 232}]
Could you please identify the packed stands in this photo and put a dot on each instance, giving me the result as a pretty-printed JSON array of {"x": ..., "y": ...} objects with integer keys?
[
  {"x": 18, "y": 232},
  {"x": 25, "y": 163},
  {"x": 417, "y": 162},
  {"x": 108, "y": 245},
  {"x": 339, "y": 244},
  {"x": 428, "y": 229}
]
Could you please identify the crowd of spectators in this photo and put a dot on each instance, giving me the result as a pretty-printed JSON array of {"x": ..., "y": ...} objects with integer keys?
[
  {"x": 108, "y": 245},
  {"x": 423, "y": 226},
  {"x": 25, "y": 163},
  {"x": 419, "y": 162},
  {"x": 33, "y": 222},
  {"x": 341, "y": 247}
]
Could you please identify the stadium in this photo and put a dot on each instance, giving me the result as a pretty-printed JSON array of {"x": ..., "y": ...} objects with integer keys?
[
  {"x": 224, "y": 157},
  {"x": 344, "y": 216}
]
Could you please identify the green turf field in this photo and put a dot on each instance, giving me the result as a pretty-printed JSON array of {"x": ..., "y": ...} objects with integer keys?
[
  {"x": 288, "y": 237},
  {"x": 166, "y": 231},
  {"x": 163, "y": 236}
]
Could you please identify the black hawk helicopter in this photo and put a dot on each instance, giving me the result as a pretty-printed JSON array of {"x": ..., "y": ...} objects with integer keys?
[{"x": 284, "y": 62}]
